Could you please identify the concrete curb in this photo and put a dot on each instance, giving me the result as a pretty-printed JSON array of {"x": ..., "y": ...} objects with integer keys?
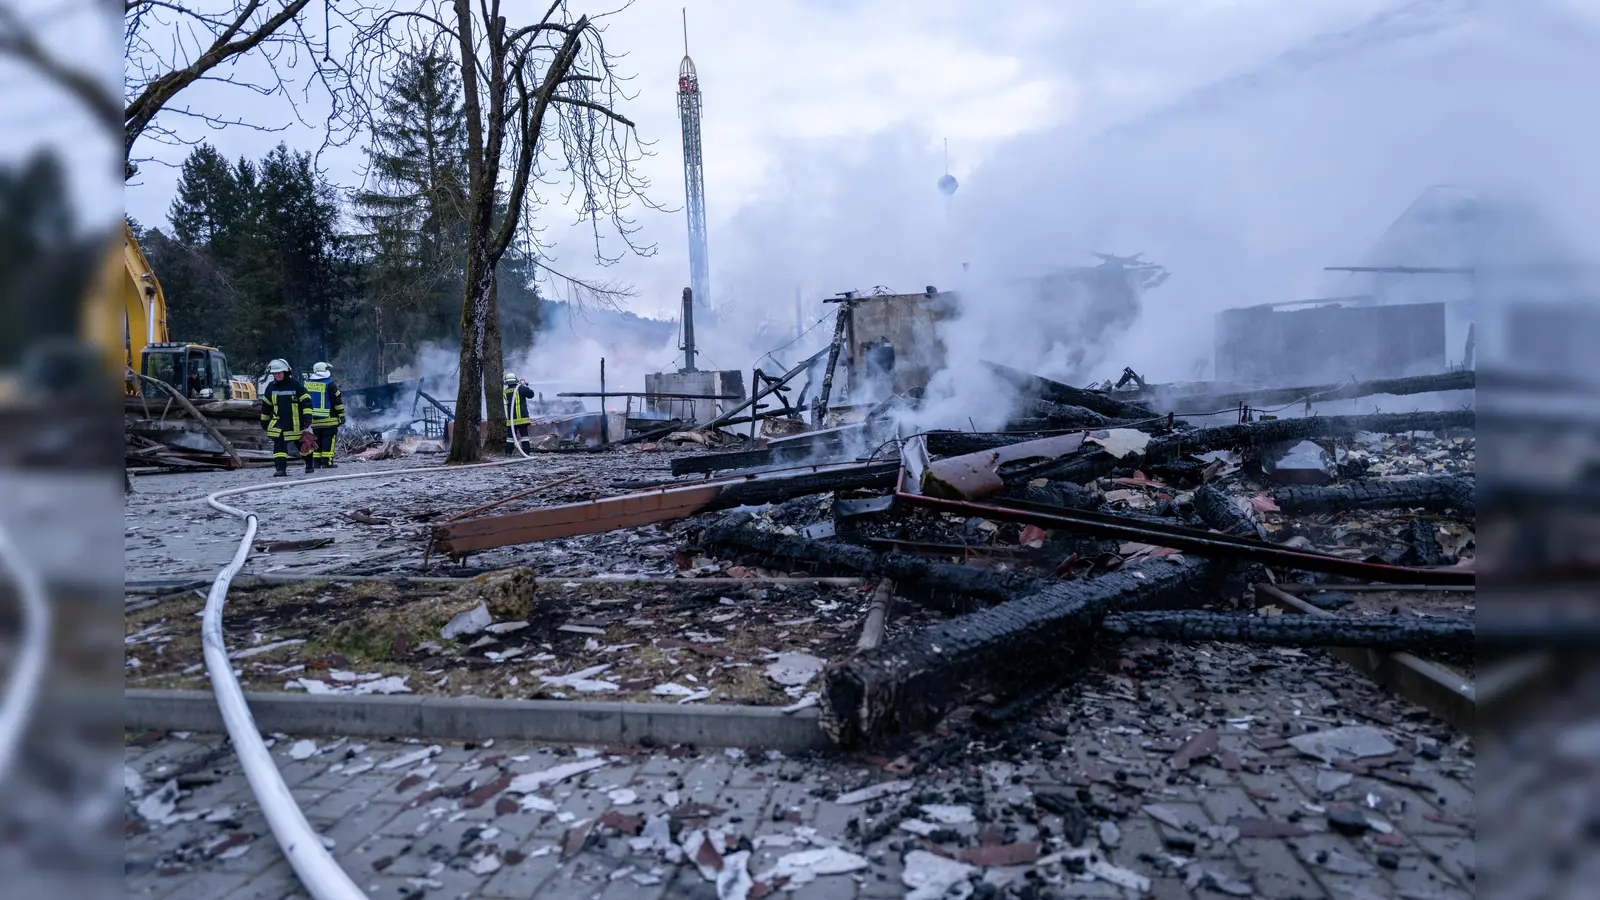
[{"x": 477, "y": 719}]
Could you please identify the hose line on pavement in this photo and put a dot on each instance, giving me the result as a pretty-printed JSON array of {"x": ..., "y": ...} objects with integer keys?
[
  {"x": 301, "y": 845},
  {"x": 27, "y": 673}
]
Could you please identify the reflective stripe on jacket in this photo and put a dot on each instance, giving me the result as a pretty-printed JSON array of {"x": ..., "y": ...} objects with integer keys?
[
  {"x": 516, "y": 405},
  {"x": 327, "y": 404},
  {"x": 286, "y": 409}
]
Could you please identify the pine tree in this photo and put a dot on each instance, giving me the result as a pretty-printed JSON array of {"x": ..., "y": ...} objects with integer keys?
[{"x": 413, "y": 212}]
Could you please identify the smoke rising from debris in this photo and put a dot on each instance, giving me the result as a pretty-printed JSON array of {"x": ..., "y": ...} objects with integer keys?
[{"x": 1243, "y": 190}]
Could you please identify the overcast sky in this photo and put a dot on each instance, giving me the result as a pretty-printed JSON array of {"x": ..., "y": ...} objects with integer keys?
[
  {"x": 1244, "y": 144},
  {"x": 797, "y": 92}
]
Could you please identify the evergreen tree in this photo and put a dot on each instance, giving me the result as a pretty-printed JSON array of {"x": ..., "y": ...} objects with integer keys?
[{"x": 413, "y": 212}]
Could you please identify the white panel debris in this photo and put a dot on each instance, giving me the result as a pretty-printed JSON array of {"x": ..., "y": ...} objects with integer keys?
[
  {"x": 873, "y": 792},
  {"x": 932, "y": 877},
  {"x": 532, "y": 781},
  {"x": 467, "y": 623}
]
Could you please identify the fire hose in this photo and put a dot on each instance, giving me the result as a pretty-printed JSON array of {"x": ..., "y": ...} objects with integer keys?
[
  {"x": 301, "y": 845},
  {"x": 27, "y": 674}
]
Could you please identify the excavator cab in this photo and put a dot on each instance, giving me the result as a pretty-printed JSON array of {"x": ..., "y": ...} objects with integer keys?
[{"x": 192, "y": 369}]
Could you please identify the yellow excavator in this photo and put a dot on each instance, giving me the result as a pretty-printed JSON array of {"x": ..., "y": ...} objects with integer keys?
[
  {"x": 201, "y": 372},
  {"x": 208, "y": 413}
]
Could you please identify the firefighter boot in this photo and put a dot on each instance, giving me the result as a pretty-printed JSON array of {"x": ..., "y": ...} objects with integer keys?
[
  {"x": 310, "y": 463},
  {"x": 280, "y": 468}
]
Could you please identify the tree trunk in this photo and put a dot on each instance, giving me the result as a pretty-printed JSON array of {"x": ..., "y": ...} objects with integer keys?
[
  {"x": 494, "y": 365},
  {"x": 466, "y": 443}
]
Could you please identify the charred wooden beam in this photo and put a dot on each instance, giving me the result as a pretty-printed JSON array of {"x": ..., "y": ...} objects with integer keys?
[
  {"x": 646, "y": 507},
  {"x": 1092, "y": 464},
  {"x": 820, "y": 410},
  {"x": 1220, "y": 513},
  {"x": 1045, "y": 389},
  {"x": 1430, "y": 492},
  {"x": 946, "y": 585},
  {"x": 1410, "y": 633},
  {"x": 794, "y": 449},
  {"x": 1065, "y": 415},
  {"x": 1465, "y": 380},
  {"x": 910, "y": 683}
]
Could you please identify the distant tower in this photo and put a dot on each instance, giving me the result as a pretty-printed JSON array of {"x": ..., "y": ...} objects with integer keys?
[{"x": 694, "y": 183}]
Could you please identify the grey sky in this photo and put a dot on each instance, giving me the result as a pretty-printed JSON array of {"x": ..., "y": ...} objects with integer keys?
[{"x": 1243, "y": 144}]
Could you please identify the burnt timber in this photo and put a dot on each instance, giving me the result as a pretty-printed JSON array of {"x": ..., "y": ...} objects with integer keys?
[
  {"x": 1093, "y": 464},
  {"x": 912, "y": 682},
  {"x": 1054, "y": 391},
  {"x": 1431, "y": 492},
  {"x": 1410, "y": 633},
  {"x": 1462, "y": 380},
  {"x": 942, "y": 585}
]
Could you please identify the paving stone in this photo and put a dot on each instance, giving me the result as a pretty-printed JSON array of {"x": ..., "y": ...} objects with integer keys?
[
  {"x": 355, "y": 826},
  {"x": 1276, "y": 872},
  {"x": 1456, "y": 856},
  {"x": 275, "y": 883}
]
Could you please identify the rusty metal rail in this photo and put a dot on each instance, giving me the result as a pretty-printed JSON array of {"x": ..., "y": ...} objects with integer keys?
[{"x": 1190, "y": 539}]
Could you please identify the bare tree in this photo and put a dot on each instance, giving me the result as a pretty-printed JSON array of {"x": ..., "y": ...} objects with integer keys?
[
  {"x": 541, "y": 106},
  {"x": 169, "y": 45}
]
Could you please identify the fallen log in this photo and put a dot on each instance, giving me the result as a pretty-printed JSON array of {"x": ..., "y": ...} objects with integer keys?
[
  {"x": 910, "y": 683},
  {"x": 1430, "y": 492},
  {"x": 1086, "y": 465},
  {"x": 1410, "y": 633},
  {"x": 647, "y": 507},
  {"x": 1464, "y": 380},
  {"x": 947, "y": 585},
  {"x": 1045, "y": 389},
  {"x": 1220, "y": 513}
]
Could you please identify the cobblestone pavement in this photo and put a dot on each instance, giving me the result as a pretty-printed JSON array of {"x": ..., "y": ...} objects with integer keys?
[
  {"x": 170, "y": 532},
  {"x": 1193, "y": 786}
]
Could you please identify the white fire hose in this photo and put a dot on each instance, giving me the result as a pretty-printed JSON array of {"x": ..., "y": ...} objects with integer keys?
[
  {"x": 27, "y": 673},
  {"x": 302, "y": 846}
]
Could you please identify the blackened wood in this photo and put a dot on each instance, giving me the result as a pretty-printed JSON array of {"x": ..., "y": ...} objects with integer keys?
[
  {"x": 1465, "y": 380},
  {"x": 912, "y": 682},
  {"x": 1065, "y": 415},
  {"x": 1409, "y": 633},
  {"x": 1431, "y": 492},
  {"x": 1045, "y": 389},
  {"x": 1085, "y": 465},
  {"x": 947, "y": 585},
  {"x": 1220, "y": 513}
]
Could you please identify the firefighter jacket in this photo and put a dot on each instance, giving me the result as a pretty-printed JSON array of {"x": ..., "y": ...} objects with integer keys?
[
  {"x": 327, "y": 404},
  {"x": 516, "y": 400},
  {"x": 285, "y": 409}
]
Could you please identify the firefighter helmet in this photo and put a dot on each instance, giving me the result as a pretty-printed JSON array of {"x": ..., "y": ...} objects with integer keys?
[{"x": 277, "y": 365}]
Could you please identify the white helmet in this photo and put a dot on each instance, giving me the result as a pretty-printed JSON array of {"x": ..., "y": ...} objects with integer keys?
[
  {"x": 510, "y": 376},
  {"x": 277, "y": 365},
  {"x": 321, "y": 370}
]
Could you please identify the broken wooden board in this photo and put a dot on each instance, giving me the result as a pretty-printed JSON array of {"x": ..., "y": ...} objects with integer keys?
[{"x": 647, "y": 507}]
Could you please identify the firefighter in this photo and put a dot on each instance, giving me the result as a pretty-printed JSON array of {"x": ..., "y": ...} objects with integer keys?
[
  {"x": 327, "y": 413},
  {"x": 516, "y": 396},
  {"x": 285, "y": 414}
]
